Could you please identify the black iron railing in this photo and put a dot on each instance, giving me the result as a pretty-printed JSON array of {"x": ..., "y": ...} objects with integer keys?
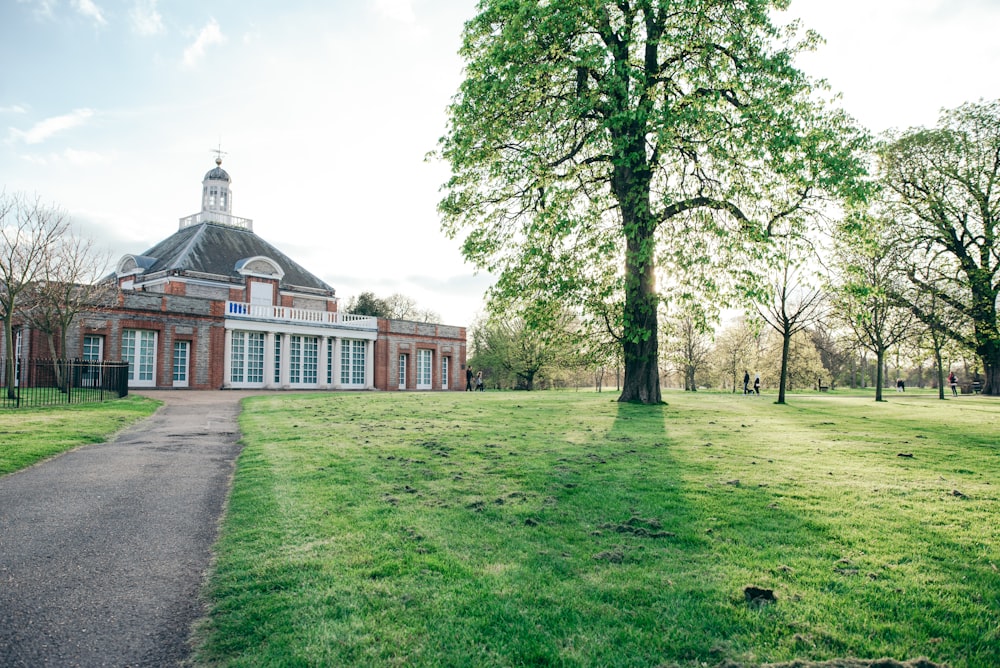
[{"x": 42, "y": 382}]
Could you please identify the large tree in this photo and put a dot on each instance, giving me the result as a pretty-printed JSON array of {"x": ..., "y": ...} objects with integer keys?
[
  {"x": 943, "y": 186},
  {"x": 589, "y": 139}
]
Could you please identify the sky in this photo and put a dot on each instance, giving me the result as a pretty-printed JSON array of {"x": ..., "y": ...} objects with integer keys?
[{"x": 112, "y": 111}]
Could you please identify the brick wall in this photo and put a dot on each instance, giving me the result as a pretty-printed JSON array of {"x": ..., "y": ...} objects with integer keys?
[{"x": 405, "y": 337}]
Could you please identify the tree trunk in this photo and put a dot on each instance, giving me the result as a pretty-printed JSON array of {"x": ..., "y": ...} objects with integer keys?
[
  {"x": 786, "y": 340},
  {"x": 56, "y": 366},
  {"x": 8, "y": 332},
  {"x": 879, "y": 359},
  {"x": 639, "y": 344},
  {"x": 989, "y": 355},
  {"x": 529, "y": 381},
  {"x": 939, "y": 365}
]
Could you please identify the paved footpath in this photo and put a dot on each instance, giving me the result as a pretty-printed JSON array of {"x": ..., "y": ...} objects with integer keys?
[{"x": 103, "y": 549}]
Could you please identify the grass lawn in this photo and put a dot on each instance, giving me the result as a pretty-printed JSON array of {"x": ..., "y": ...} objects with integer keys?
[
  {"x": 563, "y": 528},
  {"x": 28, "y": 435}
]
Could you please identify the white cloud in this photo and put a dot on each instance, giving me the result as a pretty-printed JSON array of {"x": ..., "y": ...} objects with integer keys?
[
  {"x": 13, "y": 109},
  {"x": 43, "y": 130},
  {"x": 397, "y": 10},
  {"x": 90, "y": 10},
  {"x": 209, "y": 35},
  {"x": 145, "y": 19}
]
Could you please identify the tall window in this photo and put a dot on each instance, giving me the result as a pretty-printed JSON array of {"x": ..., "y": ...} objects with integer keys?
[
  {"x": 93, "y": 351},
  {"x": 181, "y": 357},
  {"x": 444, "y": 372},
  {"x": 294, "y": 358},
  {"x": 247, "y": 358},
  {"x": 310, "y": 360},
  {"x": 329, "y": 362},
  {"x": 139, "y": 350},
  {"x": 303, "y": 359},
  {"x": 277, "y": 358},
  {"x": 402, "y": 372},
  {"x": 425, "y": 359},
  {"x": 352, "y": 362}
]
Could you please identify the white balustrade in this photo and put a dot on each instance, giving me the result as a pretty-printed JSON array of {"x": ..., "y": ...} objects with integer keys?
[
  {"x": 217, "y": 217},
  {"x": 289, "y": 314}
]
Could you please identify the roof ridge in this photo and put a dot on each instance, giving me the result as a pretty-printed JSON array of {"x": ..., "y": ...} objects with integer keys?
[{"x": 180, "y": 259}]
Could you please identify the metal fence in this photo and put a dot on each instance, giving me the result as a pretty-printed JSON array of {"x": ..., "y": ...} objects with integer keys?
[{"x": 45, "y": 382}]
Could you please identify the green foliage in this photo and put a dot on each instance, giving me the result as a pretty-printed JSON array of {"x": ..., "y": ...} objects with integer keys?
[
  {"x": 503, "y": 529},
  {"x": 869, "y": 264},
  {"x": 590, "y": 140},
  {"x": 516, "y": 349},
  {"x": 367, "y": 303},
  {"x": 942, "y": 188},
  {"x": 804, "y": 367}
]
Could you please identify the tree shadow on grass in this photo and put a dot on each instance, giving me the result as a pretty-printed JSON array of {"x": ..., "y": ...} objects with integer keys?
[{"x": 728, "y": 539}]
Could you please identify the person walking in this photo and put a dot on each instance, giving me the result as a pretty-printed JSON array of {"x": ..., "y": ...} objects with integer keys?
[
  {"x": 479, "y": 381},
  {"x": 468, "y": 379},
  {"x": 756, "y": 384},
  {"x": 953, "y": 381},
  {"x": 746, "y": 382}
]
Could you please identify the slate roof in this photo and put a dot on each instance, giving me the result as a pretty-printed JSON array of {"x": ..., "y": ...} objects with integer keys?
[{"x": 211, "y": 248}]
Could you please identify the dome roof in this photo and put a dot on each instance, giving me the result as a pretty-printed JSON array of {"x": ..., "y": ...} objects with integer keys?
[{"x": 218, "y": 174}]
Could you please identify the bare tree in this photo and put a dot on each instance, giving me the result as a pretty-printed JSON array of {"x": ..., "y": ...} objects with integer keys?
[
  {"x": 29, "y": 230},
  {"x": 400, "y": 307},
  {"x": 687, "y": 349},
  {"x": 795, "y": 304},
  {"x": 66, "y": 285}
]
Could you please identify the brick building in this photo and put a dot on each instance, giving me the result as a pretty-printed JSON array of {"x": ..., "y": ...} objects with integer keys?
[{"x": 215, "y": 306}]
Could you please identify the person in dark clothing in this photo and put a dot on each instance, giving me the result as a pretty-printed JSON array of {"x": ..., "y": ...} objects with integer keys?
[
  {"x": 468, "y": 379},
  {"x": 746, "y": 382},
  {"x": 756, "y": 384}
]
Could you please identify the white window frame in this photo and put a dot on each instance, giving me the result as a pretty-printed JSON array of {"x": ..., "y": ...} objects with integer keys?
[
  {"x": 425, "y": 368},
  {"x": 352, "y": 362},
  {"x": 181, "y": 363},
  {"x": 402, "y": 371},
  {"x": 303, "y": 360},
  {"x": 89, "y": 354},
  {"x": 139, "y": 350},
  {"x": 445, "y": 363},
  {"x": 246, "y": 358}
]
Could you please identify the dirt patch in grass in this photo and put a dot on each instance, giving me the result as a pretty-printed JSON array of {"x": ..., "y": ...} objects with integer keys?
[{"x": 840, "y": 663}]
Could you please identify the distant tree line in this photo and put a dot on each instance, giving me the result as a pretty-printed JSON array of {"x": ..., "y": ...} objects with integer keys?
[{"x": 395, "y": 307}]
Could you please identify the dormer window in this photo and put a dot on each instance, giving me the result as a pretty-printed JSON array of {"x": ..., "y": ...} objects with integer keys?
[{"x": 261, "y": 266}]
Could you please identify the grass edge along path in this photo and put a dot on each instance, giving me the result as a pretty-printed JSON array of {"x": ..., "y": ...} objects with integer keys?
[
  {"x": 31, "y": 435},
  {"x": 567, "y": 529}
]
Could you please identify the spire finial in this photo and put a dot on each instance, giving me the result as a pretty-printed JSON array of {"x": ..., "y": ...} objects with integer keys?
[{"x": 218, "y": 154}]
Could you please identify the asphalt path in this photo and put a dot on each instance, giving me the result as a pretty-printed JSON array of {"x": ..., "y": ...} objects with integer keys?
[{"x": 103, "y": 549}]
